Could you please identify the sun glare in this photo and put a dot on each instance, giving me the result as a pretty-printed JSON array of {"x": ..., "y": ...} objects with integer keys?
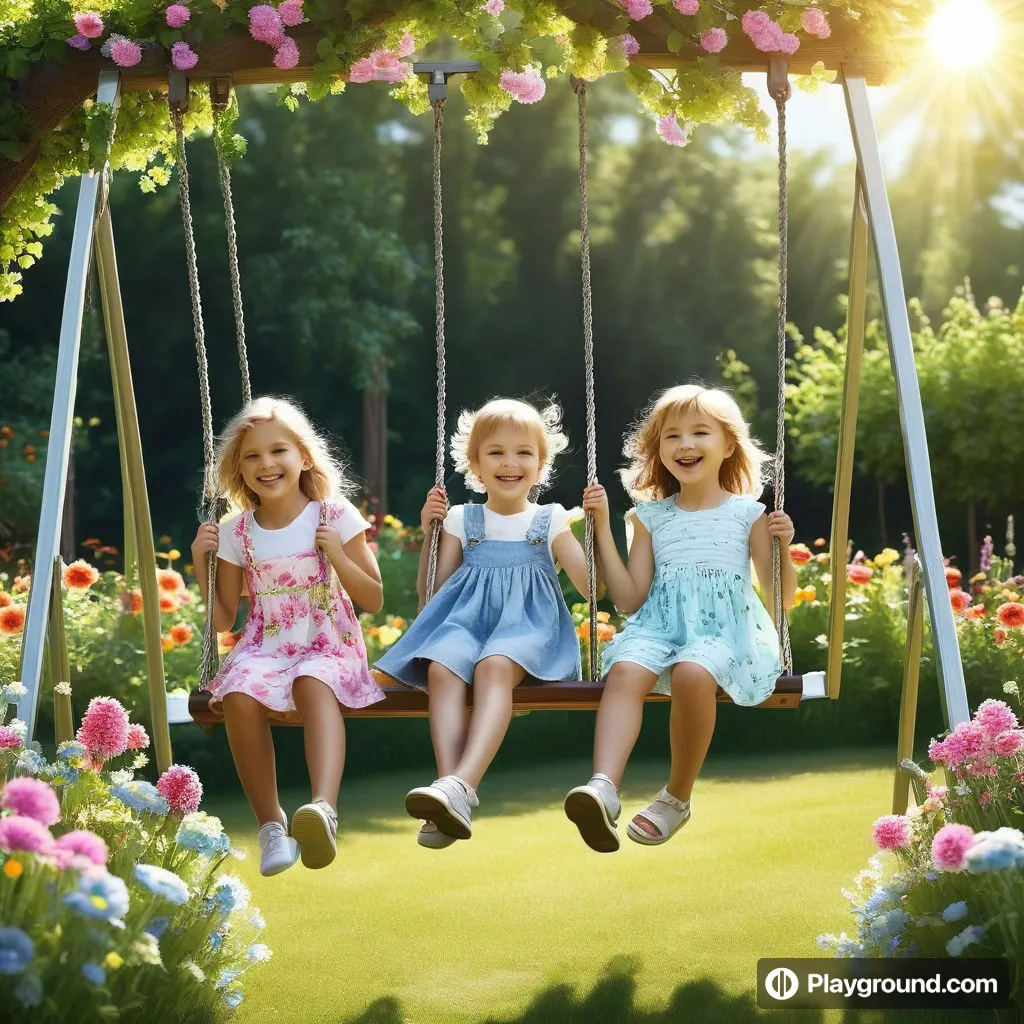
[{"x": 963, "y": 33}]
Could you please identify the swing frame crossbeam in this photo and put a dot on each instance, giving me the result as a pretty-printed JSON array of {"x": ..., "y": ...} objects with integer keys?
[{"x": 872, "y": 222}]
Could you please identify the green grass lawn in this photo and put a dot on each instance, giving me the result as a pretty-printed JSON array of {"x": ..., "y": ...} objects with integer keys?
[{"x": 525, "y": 925}]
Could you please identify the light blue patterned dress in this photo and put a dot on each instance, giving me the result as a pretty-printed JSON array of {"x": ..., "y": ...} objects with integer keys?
[
  {"x": 702, "y": 606},
  {"x": 503, "y": 599}
]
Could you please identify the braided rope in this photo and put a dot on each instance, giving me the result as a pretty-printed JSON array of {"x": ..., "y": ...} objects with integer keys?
[
  {"x": 224, "y": 173},
  {"x": 208, "y": 509},
  {"x": 580, "y": 86},
  {"x": 779, "y": 471},
  {"x": 435, "y": 530}
]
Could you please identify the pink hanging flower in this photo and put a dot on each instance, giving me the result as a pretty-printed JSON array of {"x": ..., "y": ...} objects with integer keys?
[
  {"x": 138, "y": 738},
  {"x": 183, "y": 57},
  {"x": 714, "y": 40},
  {"x": 287, "y": 55},
  {"x": 1006, "y": 744},
  {"x": 789, "y": 43},
  {"x": 290, "y": 13},
  {"x": 178, "y": 15},
  {"x": 637, "y": 9},
  {"x": 9, "y": 739},
  {"x": 20, "y": 833},
  {"x": 892, "y": 832},
  {"x": 407, "y": 44},
  {"x": 361, "y": 71},
  {"x": 995, "y": 716},
  {"x": 686, "y": 6},
  {"x": 104, "y": 728},
  {"x": 84, "y": 844},
  {"x": 669, "y": 131},
  {"x": 32, "y": 798},
  {"x": 181, "y": 788},
  {"x": 265, "y": 25},
  {"x": 629, "y": 46},
  {"x": 125, "y": 53},
  {"x": 950, "y": 844},
  {"x": 89, "y": 24},
  {"x": 815, "y": 23},
  {"x": 494, "y": 7},
  {"x": 79, "y": 42},
  {"x": 755, "y": 23},
  {"x": 524, "y": 86},
  {"x": 388, "y": 68}
]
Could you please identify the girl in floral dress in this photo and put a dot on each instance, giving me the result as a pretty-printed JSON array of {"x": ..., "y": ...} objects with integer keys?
[{"x": 299, "y": 547}]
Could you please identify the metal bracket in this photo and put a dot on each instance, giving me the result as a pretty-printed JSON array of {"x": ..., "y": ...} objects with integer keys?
[
  {"x": 440, "y": 71},
  {"x": 778, "y": 79},
  {"x": 177, "y": 90},
  {"x": 220, "y": 93}
]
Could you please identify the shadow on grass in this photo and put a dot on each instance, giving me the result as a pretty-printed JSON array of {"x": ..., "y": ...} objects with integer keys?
[{"x": 613, "y": 1001}]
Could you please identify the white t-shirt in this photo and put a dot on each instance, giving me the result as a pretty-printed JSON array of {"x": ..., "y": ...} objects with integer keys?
[
  {"x": 298, "y": 536},
  {"x": 514, "y": 527}
]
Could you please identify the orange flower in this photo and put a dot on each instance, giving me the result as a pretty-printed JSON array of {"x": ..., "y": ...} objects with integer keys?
[
  {"x": 583, "y": 630},
  {"x": 169, "y": 603},
  {"x": 225, "y": 641},
  {"x": 6, "y": 432},
  {"x": 820, "y": 542},
  {"x": 960, "y": 600},
  {"x": 399, "y": 623},
  {"x": 29, "y": 449},
  {"x": 5, "y": 599},
  {"x": 999, "y": 635},
  {"x": 808, "y": 593},
  {"x": 181, "y": 633},
  {"x": 21, "y": 583},
  {"x": 799, "y": 554},
  {"x": 857, "y": 573},
  {"x": 953, "y": 576},
  {"x": 44, "y": 433},
  {"x": 976, "y": 611},
  {"x": 90, "y": 542},
  {"x": 13, "y": 868},
  {"x": 1011, "y": 613},
  {"x": 166, "y": 643},
  {"x": 12, "y": 619},
  {"x": 3, "y": 442},
  {"x": 30, "y": 457},
  {"x": 80, "y": 575},
  {"x": 169, "y": 580},
  {"x": 131, "y": 601},
  {"x": 604, "y": 617},
  {"x": 605, "y": 631}
]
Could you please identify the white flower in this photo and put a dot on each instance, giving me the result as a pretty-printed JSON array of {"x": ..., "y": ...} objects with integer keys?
[
  {"x": 148, "y": 949},
  {"x": 259, "y": 953},
  {"x": 140, "y": 762},
  {"x": 1011, "y": 688},
  {"x": 238, "y": 853},
  {"x": 256, "y": 919},
  {"x": 191, "y": 967},
  {"x": 63, "y": 688},
  {"x": 121, "y": 777},
  {"x": 19, "y": 728},
  {"x": 962, "y": 789},
  {"x": 957, "y": 944},
  {"x": 16, "y": 689}
]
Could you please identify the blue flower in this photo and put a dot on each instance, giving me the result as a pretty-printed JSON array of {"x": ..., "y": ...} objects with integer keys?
[
  {"x": 227, "y": 976},
  {"x": 957, "y": 944},
  {"x": 259, "y": 953},
  {"x": 62, "y": 773},
  {"x": 70, "y": 749},
  {"x": 162, "y": 882},
  {"x": 141, "y": 796},
  {"x": 233, "y": 998},
  {"x": 993, "y": 851},
  {"x": 31, "y": 762},
  {"x": 16, "y": 950},
  {"x": 158, "y": 926},
  {"x": 94, "y": 973},
  {"x": 104, "y": 898},
  {"x": 954, "y": 912},
  {"x": 29, "y": 990},
  {"x": 230, "y": 893},
  {"x": 216, "y": 940},
  {"x": 202, "y": 833}
]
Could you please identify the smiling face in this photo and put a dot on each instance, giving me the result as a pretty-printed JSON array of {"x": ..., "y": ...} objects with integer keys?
[
  {"x": 508, "y": 463},
  {"x": 693, "y": 446},
  {"x": 271, "y": 461}
]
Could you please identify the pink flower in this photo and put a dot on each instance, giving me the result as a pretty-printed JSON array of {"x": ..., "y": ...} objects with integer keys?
[
  {"x": 104, "y": 728},
  {"x": 494, "y": 7},
  {"x": 84, "y": 844},
  {"x": 287, "y": 55},
  {"x": 265, "y": 25},
  {"x": 714, "y": 40},
  {"x": 181, "y": 788},
  {"x": 388, "y": 68},
  {"x": 125, "y": 53},
  {"x": 938, "y": 792},
  {"x": 183, "y": 57},
  {"x": 20, "y": 833},
  {"x": 138, "y": 738},
  {"x": 995, "y": 716},
  {"x": 755, "y": 22},
  {"x": 789, "y": 43},
  {"x": 290, "y": 12},
  {"x": 985, "y": 798},
  {"x": 1007, "y": 743},
  {"x": 669, "y": 131},
  {"x": 79, "y": 42},
  {"x": 89, "y": 24},
  {"x": 525, "y": 86},
  {"x": 950, "y": 844},
  {"x": 629, "y": 46},
  {"x": 892, "y": 832},
  {"x": 32, "y": 798},
  {"x": 361, "y": 71},
  {"x": 9, "y": 739},
  {"x": 178, "y": 15},
  {"x": 967, "y": 741},
  {"x": 815, "y": 23},
  {"x": 686, "y": 6},
  {"x": 637, "y": 9},
  {"x": 407, "y": 44},
  {"x": 937, "y": 751}
]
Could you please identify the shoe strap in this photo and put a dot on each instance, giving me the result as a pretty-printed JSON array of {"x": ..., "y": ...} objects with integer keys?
[
  {"x": 665, "y": 797},
  {"x": 327, "y": 809}
]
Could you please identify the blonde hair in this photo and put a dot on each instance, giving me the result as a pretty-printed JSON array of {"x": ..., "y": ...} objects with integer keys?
[
  {"x": 475, "y": 427},
  {"x": 325, "y": 477},
  {"x": 647, "y": 478}
]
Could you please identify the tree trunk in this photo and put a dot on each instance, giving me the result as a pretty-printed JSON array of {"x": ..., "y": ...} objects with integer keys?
[
  {"x": 973, "y": 559},
  {"x": 882, "y": 524},
  {"x": 375, "y": 439}
]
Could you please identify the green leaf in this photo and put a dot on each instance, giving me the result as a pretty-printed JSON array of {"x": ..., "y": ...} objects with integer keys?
[
  {"x": 324, "y": 47},
  {"x": 675, "y": 41}
]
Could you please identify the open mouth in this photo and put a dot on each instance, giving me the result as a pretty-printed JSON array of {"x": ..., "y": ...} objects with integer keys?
[
  {"x": 689, "y": 461},
  {"x": 509, "y": 479},
  {"x": 270, "y": 479}
]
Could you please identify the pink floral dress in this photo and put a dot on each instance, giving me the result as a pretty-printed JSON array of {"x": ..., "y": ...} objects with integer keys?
[{"x": 300, "y": 623}]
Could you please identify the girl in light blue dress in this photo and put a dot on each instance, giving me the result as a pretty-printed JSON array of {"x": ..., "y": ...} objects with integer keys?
[
  {"x": 695, "y": 621},
  {"x": 498, "y": 613}
]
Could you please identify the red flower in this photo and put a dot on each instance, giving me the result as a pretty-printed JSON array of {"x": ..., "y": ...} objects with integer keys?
[
  {"x": 80, "y": 575},
  {"x": 857, "y": 573},
  {"x": 12, "y": 619},
  {"x": 168, "y": 602},
  {"x": 959, "y": 600},
  {"x": 999, "y": 635},
  {"x": 169, "y": 581},
  {"x": 975, "y": 612},
  {"x": 131, "y": 602},
  {"x": 181, "y": 633},
  {"x": 5, "y": 599},
  {"x": 799, "y": 554},
  {"x": 953, "y": 576},
  {"x": 1011, "y": 613}
]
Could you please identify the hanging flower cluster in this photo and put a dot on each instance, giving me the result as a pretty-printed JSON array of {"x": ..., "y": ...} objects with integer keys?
[
  {"x": 267, "y": 25},
  {"x": 386, "y": 65}
]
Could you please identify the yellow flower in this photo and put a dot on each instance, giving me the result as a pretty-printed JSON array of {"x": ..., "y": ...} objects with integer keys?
[
  {"x": 388, "y": 635},
  {"x": 167, "y": 644},
  {"x": 978, "y": 577},
  {"x": 174, "y": 554},
  {"x": 94, "y": 421},
  {"x": 806, "y": 594},
  {"x": 604, "y": 617},
  {"x": 886, "y": 557},
  {"x": 13, "y": 868},
  {"x": 113, "y": 960},
  {"x": 397, "y": 621}
]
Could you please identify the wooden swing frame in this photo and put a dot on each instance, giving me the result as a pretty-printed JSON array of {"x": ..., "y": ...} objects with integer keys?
[{"x": 54, "y": 91}]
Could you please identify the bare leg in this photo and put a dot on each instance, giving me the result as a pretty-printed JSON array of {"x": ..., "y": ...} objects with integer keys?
[
  {"x": 324, "y": 734},
  {"x": 449, "y": 721},
  {"x": 494, "y": 679},
  {"x": 691, "y": 726},
  {"x": 619, "y": 717},
  {"x": 252, "y": 748}
]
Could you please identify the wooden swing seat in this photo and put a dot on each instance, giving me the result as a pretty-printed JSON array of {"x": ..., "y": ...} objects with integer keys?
[{"x": 407, "y": 702}]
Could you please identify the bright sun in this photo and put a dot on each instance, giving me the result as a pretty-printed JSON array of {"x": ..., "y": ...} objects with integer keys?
[{"x": 963, "y": 33}]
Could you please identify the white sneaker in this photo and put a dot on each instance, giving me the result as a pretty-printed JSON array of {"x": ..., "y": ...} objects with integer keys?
[
  {"x": 432, "y": 837},
  {"x": 315, "y": 826},
  {"x": 278, "y": 851},
  {"x": 594, "y": 810},
  {"x": 447, "y": 802}
]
